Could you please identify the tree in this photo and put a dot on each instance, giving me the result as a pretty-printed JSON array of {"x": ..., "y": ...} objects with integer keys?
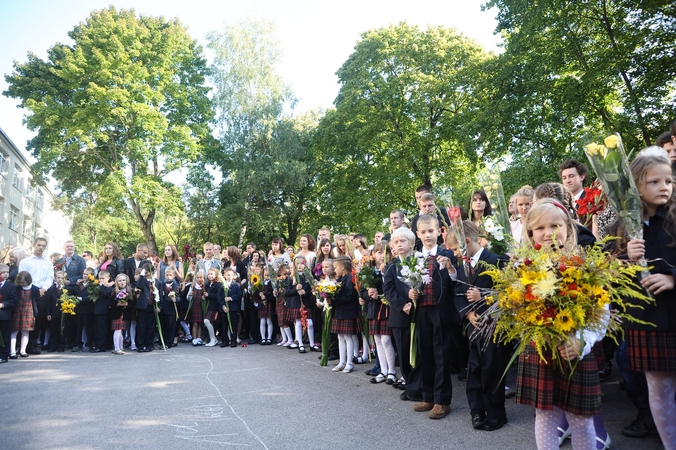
[{"x": 121, "y": 108}]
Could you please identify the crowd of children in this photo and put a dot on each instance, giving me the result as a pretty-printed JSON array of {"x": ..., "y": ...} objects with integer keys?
[{"x": 140, "y": 304}]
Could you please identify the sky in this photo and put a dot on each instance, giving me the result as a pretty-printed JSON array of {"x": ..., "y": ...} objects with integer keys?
[{"x": 316, "y": 37}]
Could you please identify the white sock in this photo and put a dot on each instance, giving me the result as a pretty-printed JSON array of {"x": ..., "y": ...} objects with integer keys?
[
  {"x": 12, "y": 343},
  {"x": 24, "y": 341},
  {"x": 132, "y": 334},
  {"x": 270, "y": 328},
  {"x": 84, "y": 337},
  {"x": 261, "y": 326},
  {"x": 382, "y": 359},
  {"x": 342, "y": 347},
  {"x": 350, "y": 348},
  {"x": 355, "y": 345},
  {"x": 289, "y": 336},
  {"x": 299, "y": 332},
  {"x": 48, "y": 333},
  {"x": 661, "y": 391},
  {"x": 210, "y": 329},
  {"x": 311, "y": 332},
  {"x": 118, "y": 340},
  {"x": 583, "y": 433},
  {"x": 186, "y": 329}
]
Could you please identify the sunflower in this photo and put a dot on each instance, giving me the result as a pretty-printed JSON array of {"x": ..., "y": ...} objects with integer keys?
[
  {"x": 564, "y": 321},
  {"x": 255, "y": 279}
]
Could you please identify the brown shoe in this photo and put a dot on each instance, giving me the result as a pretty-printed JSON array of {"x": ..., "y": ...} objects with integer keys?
[
  {"x": 423, "y": 406},
  {"x": 439, "y": 412}
]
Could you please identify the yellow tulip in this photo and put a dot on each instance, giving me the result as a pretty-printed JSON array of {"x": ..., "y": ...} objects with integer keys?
[
  {"x": 593, "y": 149},
  {"x": 611, "y": 141}
]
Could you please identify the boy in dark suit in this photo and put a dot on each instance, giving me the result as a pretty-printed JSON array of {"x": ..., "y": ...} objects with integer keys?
[
  {"x": 57, "y": 338},
  {"x": 487, "y": 363},
  {"x": 169, "y": 295},
  {"x": 101, "y": 310},
  {"x": 436, "y": 318},
  {"x": 233, "y": 304},
  {"x": 84, "y": 313},
  {"x": 8, "y": 301}
]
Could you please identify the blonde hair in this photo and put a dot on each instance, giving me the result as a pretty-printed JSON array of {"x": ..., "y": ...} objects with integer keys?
[
  {"x": 639, "y": 168},
  {"x": 217, "y": 278},
  {"x": 118, "y": 277},
  {"x": 404, "y": 232},
  {"x": 525, "y": 191},
  {"x": 545, "y": 206}
]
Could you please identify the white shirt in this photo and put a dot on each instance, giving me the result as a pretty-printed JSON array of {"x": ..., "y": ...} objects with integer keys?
[
  {"x": 41, "y": 270},
  {"x": 474, "y": 260},
  {"x": 517, "y": 230}
]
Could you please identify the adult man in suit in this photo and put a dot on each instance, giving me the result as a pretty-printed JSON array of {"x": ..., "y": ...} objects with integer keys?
[
  {"x": 487, "y": 359},
  {"x": 397, "y": 219},
  {"x": 208, "y": 262},
  {"x": 139, "y": 259},
  {"x": 8, "y": 301}
]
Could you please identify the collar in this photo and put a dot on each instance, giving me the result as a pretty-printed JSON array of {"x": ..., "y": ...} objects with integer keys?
[
  {"x": 579, "y": 195},
  {"x": 433, "y": 252},
  {"x": 475, "y": 257}
]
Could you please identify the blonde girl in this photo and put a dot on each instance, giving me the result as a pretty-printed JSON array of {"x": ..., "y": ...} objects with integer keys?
[
  {"x": 524, "y": 200},
  {"x": 194, "y": 290},
  {"x": 118, "y": 309}
]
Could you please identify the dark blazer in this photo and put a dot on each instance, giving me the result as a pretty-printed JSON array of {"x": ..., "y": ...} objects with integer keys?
[
  {"x": 144, "y": 286},
  {"x": 166, "y": 305},
  {"x": 9, "y": 300},
  {"x": 215, "y": 296},
  {"x": 476, "y": 279},
  {"x": 115, "y": 267},
  {"x": 444, "y": 221},
  {"x": 235, "y": 293},
  {"x": 86, "y": 306},
  {"x": 269, "y": 295},
  {"x": 396, "y": 292},
  {"x": 129, "y": 267},
  {"x": 117, "y": 311},
  {"x": 52, "y": 296},
  {"x": 35, "y": 296},
  {"x": 293, "y": 300},
  {"x": 102, "y": 305},
  {"x": 75, "y": 269},
  {"x": 375, "y": 308},
  {"x": 346, "y": 303},
  {"x": 585, "y": 237},
  {"x": 444, "y": 287}
]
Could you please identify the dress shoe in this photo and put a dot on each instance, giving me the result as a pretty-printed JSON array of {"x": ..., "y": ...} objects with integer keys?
[
  {"x": 372, "y": 372},
  {"x": 378, "y": 379},
  {"x": 98, "y": 350},
  {"x": 494, "y": 424},
  {"x": 463, "y": 375},
  {"x": 301, "y": 349},
  {"x": 439, "y": 411},
  {"x": 423, "y": 406},
  {"x": 606, "y": 373},
  {"x": 253, "y": 341},
  {"x": 224, "y": 344},
  {"x": 478, "y": 418},
  {"x": 315, "y": 348},
  {"x": 642, "y": 426},
  {"x": 13, "y": 357},
  {"x": 3, "y": 360},
  {"x": 86, "y": 349},
  {"x": 76, "y": 349},
  {"x": 603, "y": 444},
  {"x": 141, "y": 349},
  {"x": 23, "y": 355},
  {"x": 34, "y": 351},
  {"x": 233, "y": 344},
  {"x": 404, "y": 396}
]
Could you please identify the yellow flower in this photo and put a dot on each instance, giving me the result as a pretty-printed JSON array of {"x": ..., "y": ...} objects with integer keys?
[
  {"x": 564, "y": 321},
  {"x": 592, "y": 149},
  {"x": 546, "y": 286},
  {"x": 530, "y": 277},
  {"x": 255, "y": 279},
  {"x": 611, "y": 141}
]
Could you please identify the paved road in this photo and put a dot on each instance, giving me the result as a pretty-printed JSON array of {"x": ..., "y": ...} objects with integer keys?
[{"x": 243, "y": 398}]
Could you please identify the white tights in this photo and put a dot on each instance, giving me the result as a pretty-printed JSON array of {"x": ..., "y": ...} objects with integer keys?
[
  {"x": 132, "y": 334},
  {"x": 24, "y": 342},
  {"x": 385, "y": 354},
  {"x": 310, "y": 332},
  {"x": 298, "y": 325},
  {"x": 287, "y": 337},
  {"x": 661, "y": 391},
  {"x": 582, "y": 428},
  {"x": 345, "y": 348},
  {"x": 118, "y": 340},
  {"x": 263, "y": 323}
]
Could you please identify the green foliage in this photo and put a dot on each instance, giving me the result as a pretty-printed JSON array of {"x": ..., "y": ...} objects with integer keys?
[{"x": 121, "y": 108}]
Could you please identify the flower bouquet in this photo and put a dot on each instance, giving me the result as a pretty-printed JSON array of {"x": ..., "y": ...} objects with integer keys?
[
  {"x": 255, "y": 283},
  {"x": 414, "y": 272},
  {"x": 494, "y": 233},
  {"x": 67, "y": 304},
  {"x": 123, "y": 297},
  {"x": 590, "y": 204},
  {"x": 326, "y": 290},
  {"x": 545, "y": 297},
  {"x": 92, "y": 287}
]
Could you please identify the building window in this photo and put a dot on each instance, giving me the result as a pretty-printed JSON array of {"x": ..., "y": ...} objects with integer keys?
[
  {"x": 26, "y": 228},
  {"x": 16, "y": 179},
  {"x": 36, "y": 230},
  {"x": 4, "y": 162},
  {"x": 13, "y": 217},
  {"x": 39, "y": 199},
  {"x": 29, "y": 191}
]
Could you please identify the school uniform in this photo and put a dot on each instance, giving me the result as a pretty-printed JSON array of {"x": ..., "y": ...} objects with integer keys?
[
  {"x": 653, "y": 348},
  {"x": 235, "y": 307},
  {"x": 145, "y": 310},
  {"x": 167, "y": 307},
  {"x": 57, "y": 336},
  {"x": 267, "y": 306},
  {"x": 396, "y": 292},
  {"x": 101, "y": 309},
  {"x": 118, "y": 320},
  {"x": 215, "y": 300},
  {"x": 436, "y": 320},
  {"x": 293, "y": 300},
  {"x": 377, "y": 313},
  {"x": 195, "y": 313},
  {"x": 346, "y": 308},
  {"x": 9, "y": 300},
  {"x": 485, "y": 385},
  {"x": 84, "y": 318}
]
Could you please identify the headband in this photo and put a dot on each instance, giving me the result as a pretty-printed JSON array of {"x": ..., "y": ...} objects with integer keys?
[{"x": 560, "y": 206}]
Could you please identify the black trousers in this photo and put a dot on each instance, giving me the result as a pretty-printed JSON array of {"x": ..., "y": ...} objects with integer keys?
[
  {"x": 168, "y": 328},
  {"x": 402, "y": 340},
  {"x": 485, "y": 383},
  {"x": 434, "y": 349},
  {"x": 57, "y": 339},
  {"x": 254, "y": 328},
  {"x": 102, "y": 330},
  {"x": 86, "y": 322},
  {"x": 5, "y": 330},
  {"x": 145, "y": 327},
  {"x": 225, "y": 327}
]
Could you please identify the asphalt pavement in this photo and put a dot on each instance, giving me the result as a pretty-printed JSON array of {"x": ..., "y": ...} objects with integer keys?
[{"x": 242, "y": 398}]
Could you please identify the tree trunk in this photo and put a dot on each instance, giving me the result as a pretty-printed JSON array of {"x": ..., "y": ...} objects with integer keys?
[{"x": 242, "y": 234}]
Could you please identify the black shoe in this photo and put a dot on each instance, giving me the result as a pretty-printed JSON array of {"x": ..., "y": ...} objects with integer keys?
[
  {"x": 252, "y": 341},
  {"x": 141, "y": 349},
  {"x": 455, "y": 369},
  {"x": 642, "y": 426},
  {"x": 224, "y": 344},
  {"x": 34, "y": 351},
  {"x": 494, "y": 424},
  {"x": 372, "y": 372},
  {"x": 147, "y": 349},
  {"x": 234, "y": 344},
  {"x": 3, "y": 360},
  {"x": 76, "y": 349},
  {"x": 604, "y": 375},
  {"x": 478, "y": 418},
  {"x": 13, "y": 357},
  {"x": 98, "y": 350},
  {"x": 463, "y": 375},
  {"x": 333, "y": 357},
  {"x": 86, "y": 349}
]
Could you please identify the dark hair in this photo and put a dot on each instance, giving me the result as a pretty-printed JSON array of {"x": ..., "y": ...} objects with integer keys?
[
  {"x": 234, "y": 254},
  {"x": 423, "y": 188},
  {"x": 664, "y": 138},
  {"x": 311, "y": 243},
  {"x": 252, "y": 245},
  {"x": 559, "y": 193},
  {"x": 88, "y": 253},
  {"x": 571, "y": 163},
  {"x": 23, "y": 278},
  {"x": 320, "y": 254},
  {"x": 174, "y": 254},
  {"x": 488, "y": 211},
  {"x": 362, "y": 240}
]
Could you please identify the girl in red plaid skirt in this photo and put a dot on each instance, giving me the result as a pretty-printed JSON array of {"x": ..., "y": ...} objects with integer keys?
[
  {"x": 652, "y": 349},
  {"x": 545, "y": 386},
  {"x": 118, "y": 307},
  {"x": 23, "y": 319}
]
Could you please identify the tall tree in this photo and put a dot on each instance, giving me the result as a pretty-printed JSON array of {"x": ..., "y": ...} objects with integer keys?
[{"x": 122, "y": 107}]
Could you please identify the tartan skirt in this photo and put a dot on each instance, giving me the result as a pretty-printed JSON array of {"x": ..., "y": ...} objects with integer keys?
[
  {"x": 651, "y": 351},
  {"x": 266, "y": 311},
  {"x": 345, "y": 326},
  {"x": 119, "y": 323},
  {"x": 281, "y": 313},
  {"x": 23, "y": 318},
  {"x": 381, "y": 327},
  {"x": 545, "y": 386},
  {"x": 195, "y": 315},
  {"x": 211, "y": 316},
  {"x": 292, "y": 314}
]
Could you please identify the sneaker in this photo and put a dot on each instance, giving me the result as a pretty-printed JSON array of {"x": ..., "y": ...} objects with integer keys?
[
  {"x": 211, "y": 343},
  {"x": 338, "y": 368},
  {"x": 642, "y": 426}
]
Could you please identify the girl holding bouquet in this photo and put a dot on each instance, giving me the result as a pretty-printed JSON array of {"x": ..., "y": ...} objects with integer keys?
[
  {"x": 652, "y": 349},
  {"x": 193, "y": 291},
  {"x": 545, "y": 385},
  {"x": 282, "y": 275},
  {"x": 266, "y": 308},
  {"x": 213, "y": 292},
  {"x": 119, "y": 303},
  {"x": 345, "y": 321}
]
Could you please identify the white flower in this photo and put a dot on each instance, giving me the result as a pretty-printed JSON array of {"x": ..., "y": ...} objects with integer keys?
[
  {"x": 418, "y": 255},
  {"x": 405, "y": 271},
  {"x": 426, "y": 279}
]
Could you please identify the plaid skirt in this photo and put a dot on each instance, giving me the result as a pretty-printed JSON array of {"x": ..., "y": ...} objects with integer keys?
[
  {"x": 652, "y": 351},
  {"x": 381, "y": 327},
  {"x": 196, "y": 315},
  {"x": 545, "y": 385},
  {"x": 23, "y": 318},
  {"x": 292, "y": 314},
  {"x": 119, "y": 324},
  {"x": 266, "y": 311},
  {"x": 281, "y": 313},
  {"x": 345, "y": 326},
  {"x": 212, "y": 316}
]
